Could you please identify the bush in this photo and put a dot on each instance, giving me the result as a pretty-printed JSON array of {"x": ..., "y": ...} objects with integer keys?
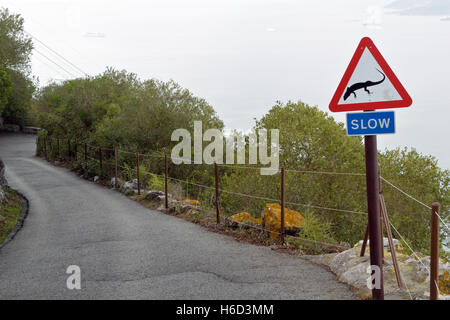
[{"x": 315, "y": 235}]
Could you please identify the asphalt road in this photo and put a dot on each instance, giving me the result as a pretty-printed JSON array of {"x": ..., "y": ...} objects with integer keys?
[{"x": 125, "y": 251}]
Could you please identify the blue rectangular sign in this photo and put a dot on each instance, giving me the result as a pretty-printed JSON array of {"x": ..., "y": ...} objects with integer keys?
[{"x": 370, "y": 123}]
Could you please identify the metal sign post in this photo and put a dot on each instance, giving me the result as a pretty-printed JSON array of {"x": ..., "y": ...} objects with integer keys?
[
  {"x": 369, "y": 84},
  {"x": 376, "y": 242}
]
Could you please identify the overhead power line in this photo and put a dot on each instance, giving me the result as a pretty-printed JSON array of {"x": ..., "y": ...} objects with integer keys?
[
  {"x": 57, "y": 54},
  {"x": 56, "y": 64}
]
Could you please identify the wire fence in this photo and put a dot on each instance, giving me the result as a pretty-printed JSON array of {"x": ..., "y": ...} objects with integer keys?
[{"x": 126, "y": 165}]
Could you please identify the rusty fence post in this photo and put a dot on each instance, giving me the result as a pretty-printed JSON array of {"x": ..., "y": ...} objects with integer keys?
[
  {"x": 282, "y": 229},
  {"x": 115, "y": 168},
  {"x": 138, "y": 173},
  {"x": 45, "y": 148},
  {"x": 100, "y": 159},
  {"x": 38, "y": 145},
  {"x": 166, "y": 170},
  {"x": 68, "y": 149},
  {"x": 216, "y": 176},
  {"x": 434, "y": 255}
]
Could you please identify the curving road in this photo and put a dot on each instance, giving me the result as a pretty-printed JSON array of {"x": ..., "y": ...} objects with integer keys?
[{"x": 128, "y": 252}]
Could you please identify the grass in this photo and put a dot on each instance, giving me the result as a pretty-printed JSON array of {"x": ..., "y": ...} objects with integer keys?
[{"x": 10, "y": 211}]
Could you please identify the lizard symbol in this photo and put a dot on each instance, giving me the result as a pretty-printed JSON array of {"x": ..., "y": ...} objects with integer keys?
[{"x": 360, "y": 85}]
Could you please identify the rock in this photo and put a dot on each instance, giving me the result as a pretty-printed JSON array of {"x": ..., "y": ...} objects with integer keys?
[
  {"x": 345, "y": 245},
  {"x": 113, "y": 182},
  {"x": 155, "y": 195},
  {"x": 31, "y": 130},
  {"x": 191, "y": 202},
  {"x": 350, "y": 268},
  {"x": 11, "y": 127},
  {"x": 271, "y": 216},
  {"x": 245, "y": 217},
  {"x": 189, "y": 209},
  {"x": 96, "y": 178},
  {"x": 131, "y": 185},
  {"x": 385, "y": 243},
  {"x": 173, "y": 206}
]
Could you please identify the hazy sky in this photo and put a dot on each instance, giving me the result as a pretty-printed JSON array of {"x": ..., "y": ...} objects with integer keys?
[{"x": 242, "y": 55}]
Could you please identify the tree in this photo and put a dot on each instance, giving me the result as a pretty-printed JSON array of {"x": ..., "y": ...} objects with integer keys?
[
  {"x": 15, "y": 45},
  {"x": 16, "y": 109},
  {"x": 5, "y": 87},
  {"x": 15, "y": 51},
  {"x": 310, "y": 140},
  {"x": 420, "y": 176}
]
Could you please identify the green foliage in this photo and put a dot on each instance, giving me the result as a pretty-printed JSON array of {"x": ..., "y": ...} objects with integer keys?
[
  {"x": 316, "y": 229},
  {"x": 116, "y": 109},
  {"x": 155, "y": 183},
  {"x": 310, "y": 140},
  {"x": 10, "y": 211},
  {"x": 16, "y": 110},
  {"x": 5, "y": 87},
  {"x": 419, "y": 176},
  {"x": 16, "y": 87},
  {"x": 315, "y": 235},
  {"x": 15, "y": 45}
]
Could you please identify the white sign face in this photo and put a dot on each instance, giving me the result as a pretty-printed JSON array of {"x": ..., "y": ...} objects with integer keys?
[{"x": 368, "y": 83}]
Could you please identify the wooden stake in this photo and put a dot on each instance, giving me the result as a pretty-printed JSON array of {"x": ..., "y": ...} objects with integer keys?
[
  {"x": 138, "y": 174},
  {"x": 100, "y": 158},
  {"x": 387, "y": 225},
  {"x": 115, "y": 168},
  {"x": 166, "y": 173},
  {"x": 216, "y": 176},
  {"x": 434, "y": 256},
  {"x": 282, "y": 229}
]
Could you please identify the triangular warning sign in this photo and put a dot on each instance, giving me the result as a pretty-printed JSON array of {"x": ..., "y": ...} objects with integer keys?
[{"x": 369, "y": 83}]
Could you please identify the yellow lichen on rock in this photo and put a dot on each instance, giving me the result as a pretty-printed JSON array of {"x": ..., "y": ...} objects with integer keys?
[
  {"x": 272, "y": 219},
  {"x": 195, "y": 203},
  {"x": 245, "y": 217}
]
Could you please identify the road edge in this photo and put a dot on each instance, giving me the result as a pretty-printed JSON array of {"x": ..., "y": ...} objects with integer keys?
[{"x": 23, "y": 215}]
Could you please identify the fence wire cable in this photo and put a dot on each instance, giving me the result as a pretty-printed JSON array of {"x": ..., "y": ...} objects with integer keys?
[
  {"x": 437, "y": 288},
  {"x": 406, "y": 194},
  {"x": 414, "y": 253},
  {"x": 439, "y": 216}
]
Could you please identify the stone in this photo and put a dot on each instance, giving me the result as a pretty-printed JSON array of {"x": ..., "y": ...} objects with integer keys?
[
  {"x": 113, "y": 182},
  {"x": 189, "y": 209},
  {"x": 271, "y": 217},
  {"x": 191, "y": 202},
  {"x": 96, "y": 178},
  {"x": 11, "y": 127},
  {"x": 155, "y": 195},
  {"x": 350, "y": 268},
  {"x": 345, "y": 245},
  {"x": 131, "y": 185},
  {"x": 244, "y": 217}
]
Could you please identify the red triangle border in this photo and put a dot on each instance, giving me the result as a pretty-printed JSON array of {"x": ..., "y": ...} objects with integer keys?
[{"x": 368, "y": 43}]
